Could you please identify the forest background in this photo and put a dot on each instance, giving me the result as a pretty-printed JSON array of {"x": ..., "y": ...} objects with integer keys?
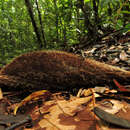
[{"x": 27, "y": 25}]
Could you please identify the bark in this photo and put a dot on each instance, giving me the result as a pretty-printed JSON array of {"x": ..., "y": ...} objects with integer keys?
[
  {"x": 57, "y": 19},
  {"x": 36, "y": 30},
  {"x": 91, "y": 27},
  {"x": 41, "y": 24},
  {"x": 55, "y": 70}
]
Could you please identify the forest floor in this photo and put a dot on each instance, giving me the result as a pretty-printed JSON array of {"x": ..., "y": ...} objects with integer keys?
[
  {"x": 96, "y": 108},
  {"x": 111, "y": 51}
]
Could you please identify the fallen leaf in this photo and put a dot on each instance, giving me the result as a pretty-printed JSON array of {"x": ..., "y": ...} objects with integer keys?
[
  {"x": 99, "y": 89},
  {"x": 123, "y": 56},
  {"x": 34, "y": 96},
  {"x": 116, "y": 60},
  {"x": 1, "y": 94},
  {"x": 66, "y": 115},
  {"x": 111, "y": 118},
  {"x": 84, "y": 92},
  {"x": 112, "y": 106}
]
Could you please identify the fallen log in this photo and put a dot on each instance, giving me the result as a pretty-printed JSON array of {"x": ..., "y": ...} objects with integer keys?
[{"x": 57, "y": 70}]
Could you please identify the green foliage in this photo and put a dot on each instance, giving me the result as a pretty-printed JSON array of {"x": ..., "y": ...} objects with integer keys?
[{"x": 63, "y": 23}]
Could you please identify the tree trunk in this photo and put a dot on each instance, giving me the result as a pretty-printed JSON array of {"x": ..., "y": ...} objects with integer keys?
[
  {"x": 30, "y": 11},
  {"x": 42, "y": 28},
  {"x": 57, "y": 19}
]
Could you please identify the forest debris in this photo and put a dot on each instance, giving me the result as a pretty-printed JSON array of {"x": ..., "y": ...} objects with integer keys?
[
  {"x": 123, "y": 56},
  {"x": 84, "y": 92},
  {"x": 62, "y": 114},
  {"x": 80, "y": 92},
  {"x": 110, "y": 118},
  {"x": 116, "y": 60},
  {"x": 1, "y": 94},
  {"x": 100, "y": 89},
  {"x": 9, "y": 119},
  {"x": 26, "y": 120},
  {"x": 34, "y": 96},
  {"x": 120, "y": 87},
  {"x": 90, "y": 52},
  {"x": 110, "y": 105},
  {"x": 69, "y": 71},
  {"x": 2, "y": 111},
  {"x": 112, "y": 47},
  {"x": 69, "y": 106},
  {"x": 70, "y": 114}
]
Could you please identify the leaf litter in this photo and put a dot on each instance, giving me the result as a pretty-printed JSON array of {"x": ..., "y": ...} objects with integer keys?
[{"x": 98, "y": 108}]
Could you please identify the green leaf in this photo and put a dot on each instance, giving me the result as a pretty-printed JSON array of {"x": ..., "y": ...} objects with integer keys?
[
  {"x": 87, "y": 1},
  {"x": 125, "y": 12}
]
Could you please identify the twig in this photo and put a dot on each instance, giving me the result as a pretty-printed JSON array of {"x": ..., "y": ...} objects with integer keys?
[{"x": 28, "y": 119}]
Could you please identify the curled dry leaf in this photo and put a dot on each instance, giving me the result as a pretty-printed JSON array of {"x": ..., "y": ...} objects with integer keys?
[
  {"x": 34, "y": 96},
  {"x": 110, "y": 118},
  {"x": 84, "y": 92},
  {"x": 111, "y": 106}
]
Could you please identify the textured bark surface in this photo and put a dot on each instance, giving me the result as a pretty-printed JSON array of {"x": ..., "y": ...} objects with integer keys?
[{"x": 58, "y": 70}]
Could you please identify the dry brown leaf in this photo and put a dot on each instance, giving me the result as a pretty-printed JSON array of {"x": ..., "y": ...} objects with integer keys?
[
  {"x": 99, "y": 89},
  {"x": 115, "y": 107},
  {"x": 84, "y": 92},
  {"x": 116, "y": 60},
  {"x": 112, "y": 47},
  {"x": 65, "y": 115},
  {"x": 1, "y": 94},
  {"x": 120, "y": 47},
  {"x": 69, "y": 107},
  {"x": 34, "y": 96},
  {"x": 89, "y": 52},
  {"x": 123, "y": 56}
]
